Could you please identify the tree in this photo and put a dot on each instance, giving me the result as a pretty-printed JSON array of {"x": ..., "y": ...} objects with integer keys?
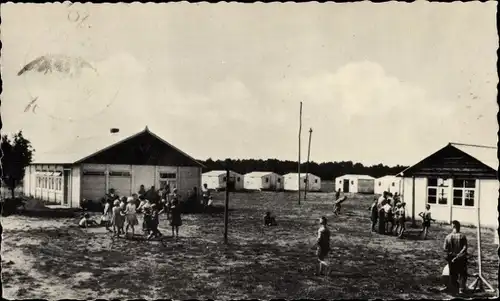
[{"x": 17, "y": 155}]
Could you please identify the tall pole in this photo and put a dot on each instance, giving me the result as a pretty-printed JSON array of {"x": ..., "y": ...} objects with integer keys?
[
  {"x": 300, "y": 131},
  {"x": 413, "y": 224},
  {"x": 226, "y": 207},
  {"x": 307, "y": 165}
]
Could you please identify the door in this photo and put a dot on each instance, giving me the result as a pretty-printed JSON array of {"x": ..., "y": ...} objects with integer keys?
[
  {"x": 346, "y": 185},
  {"x": 121, "y": 182},
  {"x": 93, "y": 185},
  {"x": 66, "y": 190}
]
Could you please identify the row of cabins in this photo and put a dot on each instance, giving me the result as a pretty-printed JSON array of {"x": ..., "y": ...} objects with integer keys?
[
  {"x": 457, "y": 180},
  {"x": 217, "y": 180},
  {"x": 369, "y": 185}
]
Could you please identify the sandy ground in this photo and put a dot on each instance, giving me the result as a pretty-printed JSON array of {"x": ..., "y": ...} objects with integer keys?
[{"x": 54, "y": 259}]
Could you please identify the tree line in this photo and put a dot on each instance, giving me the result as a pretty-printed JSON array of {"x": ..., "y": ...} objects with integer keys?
[{"x": 326, "y": 171}]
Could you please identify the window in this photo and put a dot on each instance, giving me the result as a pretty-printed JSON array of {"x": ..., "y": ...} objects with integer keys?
[
  {"x": 379, "y": 183},
  {"x": 279, "y": 180},
  {"x": 167, "y": 175},
  {"x": 352, "y": 182},
  {"x": 238, "y": 179},
  {"x": 315, "y": 180},
  {"x": 119, "y": 174},
  {"x": 437, "y": 191},
  {"x": 305, "y": 180},
  {"x": 267, "y": 180},
  {"x": 93, "y": 173},
  {"x": 340, "y": 182},
  {"x": 224, "y": 179},
  {"x": 393, "y": 184},
  {"x": 464, "y": 192}
]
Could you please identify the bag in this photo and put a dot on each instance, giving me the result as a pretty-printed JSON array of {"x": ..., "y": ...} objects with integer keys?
[{"x": 446, "y": 271}]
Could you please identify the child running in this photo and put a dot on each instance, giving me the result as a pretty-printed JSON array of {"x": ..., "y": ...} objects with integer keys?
[
  {"x": 426, "y": 220},
  {"x": 131, "y": 216}
]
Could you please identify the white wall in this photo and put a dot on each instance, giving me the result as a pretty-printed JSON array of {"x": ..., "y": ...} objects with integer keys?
[
  {"x": 487, "y": 197},
  {"x": 75, "y": 191},
  {"x": 291, "y": 183},
  {"x": 386, "y": 185},
  {"x": 253, "y": 183},
  {"x": 488, "y": 202}
]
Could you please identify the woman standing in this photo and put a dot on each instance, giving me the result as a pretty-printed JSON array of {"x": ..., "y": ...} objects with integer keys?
[
  {"x": 175, "y": 211},
  {"x": 131, "y": 216}
]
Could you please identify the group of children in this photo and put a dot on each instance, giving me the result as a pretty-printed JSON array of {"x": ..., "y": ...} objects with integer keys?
[
  {"x": 389, "y": 213},
  {"x": 120, "y": 214}
]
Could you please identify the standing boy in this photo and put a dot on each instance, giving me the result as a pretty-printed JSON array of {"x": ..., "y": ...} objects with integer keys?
[
  {"x": 426, "y": 220},
  {"x": 323, "y": 245}
]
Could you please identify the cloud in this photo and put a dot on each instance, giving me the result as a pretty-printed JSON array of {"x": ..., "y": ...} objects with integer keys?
[{"x": 360, "y": 104}]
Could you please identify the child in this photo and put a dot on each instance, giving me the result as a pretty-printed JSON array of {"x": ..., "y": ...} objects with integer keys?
[
  {"x": 145, "y": 208},
  {"x": 401, "y": 219},
  {"x": 426, "y": 220},
  {"x": 269, "y": 220},
  {"x": 381, "y": 218},
  {"x": 374, "y": 214},
  {"x": 117, "y": 219},
  {"x": 131, "y": 216},
  {"x": 176, "y": 221},
  {"x": 323, "y": 244},
  {"x": 389, "y": 218},
  {"x": 154, "y": 222},
  {"x": 338, "y": 205},
  {"x": 86, "y": 221},
  {"x": 106, "y": 217}
]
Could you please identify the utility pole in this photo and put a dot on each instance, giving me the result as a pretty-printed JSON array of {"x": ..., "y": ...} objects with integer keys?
[
  {"x": 300, "y": 131},
  {"x": 307, "y": 165},
  {"x": 226, "y": 207}
]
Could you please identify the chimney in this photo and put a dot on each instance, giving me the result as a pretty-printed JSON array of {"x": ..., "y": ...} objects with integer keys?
[{"x": 114, "y": 130}]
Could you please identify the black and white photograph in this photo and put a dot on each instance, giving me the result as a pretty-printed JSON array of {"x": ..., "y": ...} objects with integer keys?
[{"x": 220, "y": 151}]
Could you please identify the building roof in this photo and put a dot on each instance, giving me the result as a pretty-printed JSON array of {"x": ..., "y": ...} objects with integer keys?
[
  {"x": 359, "y": 177},
  {"x": 216, "y": 173},
  {"x": 484, "y": 154},
  {"x": 294, "y": 174},
  {"x": 386, "y": 177},
  {"x": 84, "y": 147},
  {"x": 259, "y": 173}
]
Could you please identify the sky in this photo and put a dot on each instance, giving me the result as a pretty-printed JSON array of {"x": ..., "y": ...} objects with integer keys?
[{"x": 380, "y": 83}]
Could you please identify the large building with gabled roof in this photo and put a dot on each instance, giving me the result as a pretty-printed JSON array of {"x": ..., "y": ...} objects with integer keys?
[
  {"x": 457, "y": 181},
  {"x": 88, "y": 167}
]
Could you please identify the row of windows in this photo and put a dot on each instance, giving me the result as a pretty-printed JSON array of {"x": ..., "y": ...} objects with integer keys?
[
  {"x": 463, "y": 192},
  {"x": 49, "y": 182}
]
